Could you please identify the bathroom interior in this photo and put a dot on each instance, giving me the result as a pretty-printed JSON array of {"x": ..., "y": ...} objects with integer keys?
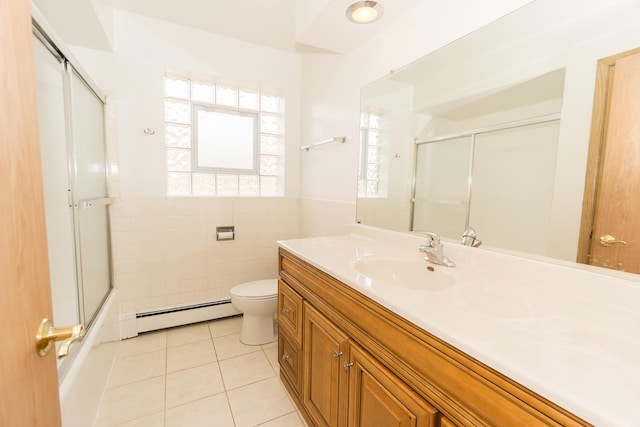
[{"x": 435, "y": 117}]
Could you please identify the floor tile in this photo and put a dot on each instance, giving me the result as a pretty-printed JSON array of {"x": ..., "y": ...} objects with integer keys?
[
  {"x": 246, "y": 369},
  {"x": 153, "y": 420},
  {"x": 272, "y": 355},
  {"x": 193, "y": 384},
  {"x": 131, "y": 401},
  {"x": 290, "y": 420},
  {"x": 267, "y": 346},
  {"x": 224, "y": 327},
  {"x": 188, "y": 334},
  {"x": 259, "y": 402},
  {"x": 140, "y": 367},
  {"x": 143, "y": 343},
  {"x": 230, "y": 346},
  {"x": 212, "y": 411},
  {"x": 190, "y": 355},
  {"x": 205, "y": 377}
]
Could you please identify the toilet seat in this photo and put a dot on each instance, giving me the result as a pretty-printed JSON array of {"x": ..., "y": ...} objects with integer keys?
[{"x": 256, "y": 290}]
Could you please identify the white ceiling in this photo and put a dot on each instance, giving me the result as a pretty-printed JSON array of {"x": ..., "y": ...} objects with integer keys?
[
  {"x": 289, "y": 25},
  {"x": 265, "y": 22}
]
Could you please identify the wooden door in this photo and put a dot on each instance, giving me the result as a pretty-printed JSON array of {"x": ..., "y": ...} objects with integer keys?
[
  {"x": 617, "y": 185},
  {"x": 325, "y": 378},
  {"x": 377, "y": 398},
  {"x": 28, "y": 382}
]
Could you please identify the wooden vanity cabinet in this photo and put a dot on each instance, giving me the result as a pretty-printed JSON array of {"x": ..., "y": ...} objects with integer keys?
[{"x": 359, "y": 364}]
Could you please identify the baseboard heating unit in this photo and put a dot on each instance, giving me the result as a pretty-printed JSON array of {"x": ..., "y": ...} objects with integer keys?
[{"x": 183, "y": 315}]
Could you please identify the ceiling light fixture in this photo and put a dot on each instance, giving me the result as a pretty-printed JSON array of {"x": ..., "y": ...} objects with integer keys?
[{"x": 364, "y": 12}]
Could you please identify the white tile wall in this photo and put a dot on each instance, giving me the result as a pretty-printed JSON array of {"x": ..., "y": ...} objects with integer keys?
[
  {"x": 165, "y": 250},
  {"x": 326, "y": 217},
  {"x": 388, "y": 213}
]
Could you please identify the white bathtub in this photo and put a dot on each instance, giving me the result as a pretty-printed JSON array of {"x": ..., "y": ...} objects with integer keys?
[{"x": 83, "y": 382}]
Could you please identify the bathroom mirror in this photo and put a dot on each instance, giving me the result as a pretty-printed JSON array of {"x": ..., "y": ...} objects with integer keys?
[{"x": 531, "y": 72}]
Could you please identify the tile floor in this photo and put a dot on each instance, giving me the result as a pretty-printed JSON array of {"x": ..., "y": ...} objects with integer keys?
[{"x": 196, "y": 375}]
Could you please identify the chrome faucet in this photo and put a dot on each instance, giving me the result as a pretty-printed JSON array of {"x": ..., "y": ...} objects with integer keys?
[
  {"x": 433, "y": 250},
  {"x": 469, "y": 238}
]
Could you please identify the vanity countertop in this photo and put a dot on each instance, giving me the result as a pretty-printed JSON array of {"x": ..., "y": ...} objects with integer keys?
[{"x": 570, "y": 334}]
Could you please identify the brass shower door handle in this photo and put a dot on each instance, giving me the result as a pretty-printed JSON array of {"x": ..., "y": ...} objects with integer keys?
[
  {"x": 608, "y": 240},
  {"x": 47, "y": 335}
]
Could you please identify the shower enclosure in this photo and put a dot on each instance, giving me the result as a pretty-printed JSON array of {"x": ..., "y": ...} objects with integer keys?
[{"x": 72, "y": 139}]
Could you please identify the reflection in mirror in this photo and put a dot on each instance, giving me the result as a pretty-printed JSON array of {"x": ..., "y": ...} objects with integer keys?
[
  {"x": 492, "y": 131},
  {"x": 505, "y": 194}
]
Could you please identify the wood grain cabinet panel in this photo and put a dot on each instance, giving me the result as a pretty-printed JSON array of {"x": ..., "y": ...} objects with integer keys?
[
  {"x": 377, "y": 398},
  {"x": 324, "y": 381},
  {"x": 289, "y": 357},
  {"x": 290, "y": 311},
  {"x": 444, "y": 422}
]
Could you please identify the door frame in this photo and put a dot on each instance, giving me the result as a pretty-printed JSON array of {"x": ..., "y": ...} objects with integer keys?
[{"x": 605, "y": 73}]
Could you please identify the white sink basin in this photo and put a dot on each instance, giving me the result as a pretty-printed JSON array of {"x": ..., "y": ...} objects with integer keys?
[{"x": 404, "y": 273}]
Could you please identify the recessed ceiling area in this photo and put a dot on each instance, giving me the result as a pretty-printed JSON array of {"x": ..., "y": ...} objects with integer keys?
[
  {"x": 546, "y": 87},
  {"x": 82, "y": 23},
  {"x": 270, "y": 23},
  {"x": 288, "y": 25}
]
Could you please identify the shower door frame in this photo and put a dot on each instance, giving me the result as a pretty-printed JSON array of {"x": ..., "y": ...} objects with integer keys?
[{"x": 69, "y": 65}]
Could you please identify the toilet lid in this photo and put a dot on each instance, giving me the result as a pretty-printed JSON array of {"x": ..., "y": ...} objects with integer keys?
[{"x": 256, "y": 290}]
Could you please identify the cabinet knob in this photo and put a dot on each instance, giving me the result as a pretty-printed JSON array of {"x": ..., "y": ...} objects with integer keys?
[
  {"x": 285, "y": 357},
  {"x": 347, "y": 365},
  {"x": 285, "y": 311},
  {"x": 337, "y": 354}
]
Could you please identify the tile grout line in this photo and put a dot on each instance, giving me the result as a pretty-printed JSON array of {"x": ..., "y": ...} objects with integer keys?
[
  {"x": 105, "y": 388},
  {"x": 166, "y": 369},
  {"x": 224, "y": 385}
]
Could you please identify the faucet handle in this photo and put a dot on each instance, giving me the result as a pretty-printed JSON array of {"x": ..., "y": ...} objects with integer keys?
[
  {"x": 432, "y": 238},
  {"x": 469, "y": 238}
]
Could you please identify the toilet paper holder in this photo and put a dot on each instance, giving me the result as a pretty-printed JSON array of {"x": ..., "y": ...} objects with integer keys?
[{"x": 225, "y": 233}]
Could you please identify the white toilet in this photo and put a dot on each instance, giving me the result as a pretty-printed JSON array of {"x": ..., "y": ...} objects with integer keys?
[{"x": 258, "y": 301}]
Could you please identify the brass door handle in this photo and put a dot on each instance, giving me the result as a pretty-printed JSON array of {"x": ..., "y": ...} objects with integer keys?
[
  {"x": 608, "y": 240},
  {"x": 47, "y": 335}
]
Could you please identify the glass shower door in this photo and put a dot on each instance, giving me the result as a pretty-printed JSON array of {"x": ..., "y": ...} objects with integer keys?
[
  {"x": 441, "y": 192},
  {"x": 91, "y": 199},
  {"x": 50, "y": 89}
]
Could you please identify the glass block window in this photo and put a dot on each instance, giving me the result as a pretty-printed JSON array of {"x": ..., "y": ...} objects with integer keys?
[
  {"x": 222, "y": 139},
  {"x": 371, "y": 132}
]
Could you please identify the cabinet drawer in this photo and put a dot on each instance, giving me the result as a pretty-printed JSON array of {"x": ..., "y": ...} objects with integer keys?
[
  {"x": 290, "y": 311},
  {"x": 289, "y": 358}
]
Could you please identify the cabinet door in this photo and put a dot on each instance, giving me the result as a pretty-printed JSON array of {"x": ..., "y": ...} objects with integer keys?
[
  {"x": 377, "y": 398},
  {"x": 325, "y": 378}
]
